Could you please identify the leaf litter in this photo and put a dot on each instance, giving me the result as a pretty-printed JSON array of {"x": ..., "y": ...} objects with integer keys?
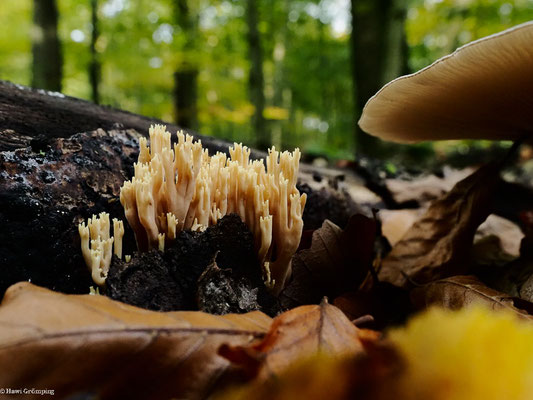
[{"x": 92, "y": 344}]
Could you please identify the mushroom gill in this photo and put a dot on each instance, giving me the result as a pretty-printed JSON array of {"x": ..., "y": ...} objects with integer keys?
[{"x": 484, "y": 90}]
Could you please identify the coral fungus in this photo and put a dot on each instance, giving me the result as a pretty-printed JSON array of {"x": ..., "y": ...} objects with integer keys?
[{"x": 178, "y": 187}]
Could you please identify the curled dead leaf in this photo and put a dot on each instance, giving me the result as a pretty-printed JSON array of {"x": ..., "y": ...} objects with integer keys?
[
  {"x": 395, "y": 223},
  {"x": 461, "y": 291},
  {"x": 297, "y": 334},
  {"x": 337, "y": 261},
  {"x": 91, "y": 344},
  {"x": 438, "y": 244}
]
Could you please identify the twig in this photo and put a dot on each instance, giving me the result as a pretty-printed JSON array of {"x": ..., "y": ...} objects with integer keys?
[{"x": 362, "y": 320}]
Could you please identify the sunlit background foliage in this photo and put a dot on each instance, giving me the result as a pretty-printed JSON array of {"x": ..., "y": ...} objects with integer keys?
[{"x": 306, "y": 65}]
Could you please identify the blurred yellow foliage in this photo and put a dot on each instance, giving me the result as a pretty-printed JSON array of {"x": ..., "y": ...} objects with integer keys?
[
  {"x": 276, "y": 113},
  {"x": 475, "y": 353}
]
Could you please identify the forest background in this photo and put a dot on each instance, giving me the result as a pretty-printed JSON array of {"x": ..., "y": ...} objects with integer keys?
[{"x": 262, "y": 72}]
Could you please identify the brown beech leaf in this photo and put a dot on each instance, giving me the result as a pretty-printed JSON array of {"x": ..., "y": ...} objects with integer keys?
[
  {"x": 395, "y": 223},
  {"x": 91, "y": 344},
  {"x": 438, "y": 244},
  {"x": 460, "y": 291},
  {"x": 337, "y": 261},
  {"x": 300, "y": 333}
]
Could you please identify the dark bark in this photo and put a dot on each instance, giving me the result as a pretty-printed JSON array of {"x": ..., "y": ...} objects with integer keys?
[
  {"x": 54, "y": 115},
  {"x": 45, "y": 193},
  {"x": 185, "y": 77},
  {"x": 46, "y": 49},
  {"x": 94, "y": 65},
  {"x": 378, "y": 55},
  {"x": 256, "y": 79}
]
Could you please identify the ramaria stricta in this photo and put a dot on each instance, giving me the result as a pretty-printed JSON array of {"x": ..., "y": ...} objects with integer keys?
[{"x": 179, "y": 187}]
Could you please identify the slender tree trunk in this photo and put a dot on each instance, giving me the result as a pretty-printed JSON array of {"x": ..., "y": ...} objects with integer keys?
[
  {"x": 46, "y": 49},
  {"x": 256, "y": 79},
  {"x": 185, "y": 96},
  {"x": 378, "y": 55},
  {"x": 94, "y": 66},
  {"x": 397, "y": 50},
  {"x": 280, "y": 98},
  {"x": 185, "y": 77}
]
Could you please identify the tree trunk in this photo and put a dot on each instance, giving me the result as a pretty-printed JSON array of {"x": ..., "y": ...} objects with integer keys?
[
  {"x": 185, "y": 77},
  {"x": 378, "y": 55},
  {"x": 185, "y": 97},
  {"x": 46, "y": 49},
  {"x": 256, "y": 79},
  {"x": 94, "y": 66},
  {"x": 397, "y": 50},
  {"x": 280, "y": 98}
]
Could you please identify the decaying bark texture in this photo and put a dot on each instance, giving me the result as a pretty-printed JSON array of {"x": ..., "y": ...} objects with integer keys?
[
  {"x": 58, "y": 168},
  {"x": 31, "y": 117},
  {"x": 44, "y": 194}
]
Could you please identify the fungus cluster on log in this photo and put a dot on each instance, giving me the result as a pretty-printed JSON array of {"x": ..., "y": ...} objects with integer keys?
[
  {"x": 98, "y": 251},
  {"x": 181, "y": 187}
]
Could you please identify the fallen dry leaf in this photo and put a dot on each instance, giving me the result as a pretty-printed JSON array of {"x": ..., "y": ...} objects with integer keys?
[
  {"x": 395, "y": 223},
  {"x": 91, "y": 344},
  {"x": 438, "y": 244},
  {"x": 497, "y": 240},
  {"x": 336, "y": 262},
  {"x": 510, "y": 278},
  {"x": 426, "y": 188},
  {"x": 509, "y": 234},
  {"x": 299, "y": 333},
  {"x": 475, "y": 353},
  {"x": 460, "y": 291}
]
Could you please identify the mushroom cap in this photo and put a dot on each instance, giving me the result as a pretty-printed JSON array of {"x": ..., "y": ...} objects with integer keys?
[{"x": 484, "y": 90}]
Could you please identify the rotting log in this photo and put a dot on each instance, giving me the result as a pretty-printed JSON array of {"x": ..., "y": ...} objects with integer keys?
[
  {"x": 62, "y": 160},
  {"x": 44, "y": 194},
  {"x": 34, "y": 116}
]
